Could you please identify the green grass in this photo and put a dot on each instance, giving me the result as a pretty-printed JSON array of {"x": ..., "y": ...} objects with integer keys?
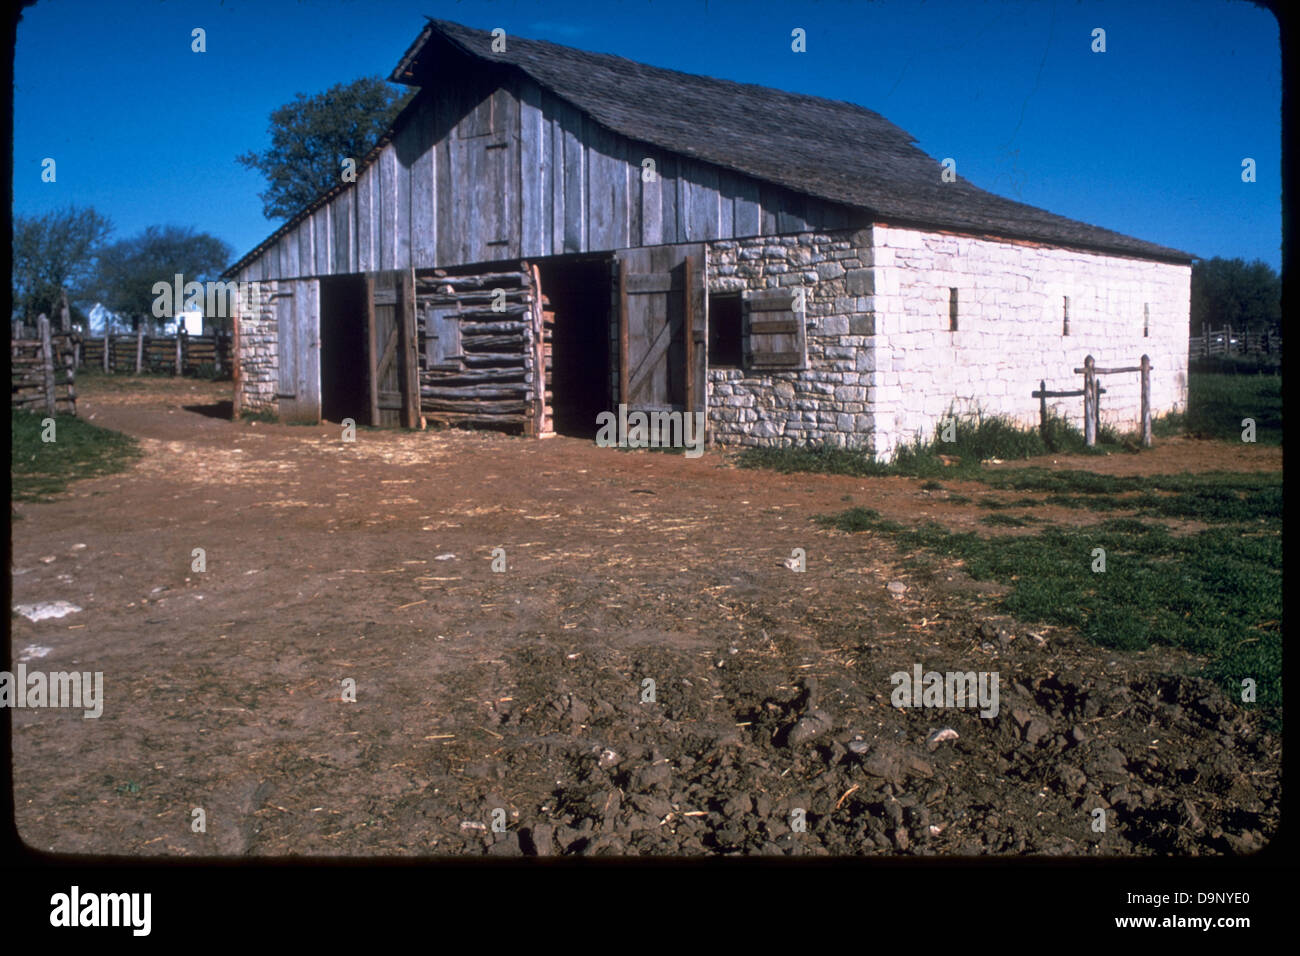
[
  {"x": 1216, "y": 405},
  {"x": 40, "y": 469},
  {"x": 1217, "y": 593},
  {"x": 976, "y": 438}
]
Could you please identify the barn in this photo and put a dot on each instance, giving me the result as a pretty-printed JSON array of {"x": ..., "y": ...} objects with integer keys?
[{"x": 545, "y": 234}]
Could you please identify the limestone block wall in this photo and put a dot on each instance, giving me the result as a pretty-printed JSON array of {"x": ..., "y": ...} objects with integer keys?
[
  {"x": 830, "y": 401},
  {"x": 259, "y": 366},
  {"x": 1010, "y": 332}
]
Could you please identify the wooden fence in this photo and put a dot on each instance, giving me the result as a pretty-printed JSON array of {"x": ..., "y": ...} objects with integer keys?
[
  {"x": 43, "y": 369},
  {"x": 1228, "y": 342},
  {"x": 1092, "y": 392},
  {"x": 177, "y": 354}
]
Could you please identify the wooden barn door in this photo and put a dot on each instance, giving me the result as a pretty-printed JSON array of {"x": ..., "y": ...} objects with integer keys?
[
  {"x": 662, "y": 328},
  {"x": 394, "y": 371},
  {"x": 297, "y": 329}
]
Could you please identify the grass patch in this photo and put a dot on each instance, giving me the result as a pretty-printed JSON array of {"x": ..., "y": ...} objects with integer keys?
[
  {"x": 1007, "y": 521},
  {"x": 1216, "y": 405},
  {"x": 41, "y": 469},
  {"x": 976, "y": 438},
  {"x": 1217, "y": 593}
]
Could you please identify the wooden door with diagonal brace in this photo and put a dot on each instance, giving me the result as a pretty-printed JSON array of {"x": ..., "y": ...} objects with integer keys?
[
  {"x": 393, "y": 374},
  {"x": 662, "y": 328}
]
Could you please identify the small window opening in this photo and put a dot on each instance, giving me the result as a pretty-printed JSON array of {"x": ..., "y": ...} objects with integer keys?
[
  {"x": 1065, "y": 315},
  {"x": 1146, "y": 320},
  {"x": 952, "y": 310},
  {"x": 725, "y": 349}
]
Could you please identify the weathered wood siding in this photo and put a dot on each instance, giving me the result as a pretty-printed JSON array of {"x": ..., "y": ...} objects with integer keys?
[{"x": 491, "y": 169}]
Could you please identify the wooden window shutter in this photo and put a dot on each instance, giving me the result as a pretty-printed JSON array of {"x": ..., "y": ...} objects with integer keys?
[
  {"x": 442, "y": 338},
  {"x": 773, "y": 331}
]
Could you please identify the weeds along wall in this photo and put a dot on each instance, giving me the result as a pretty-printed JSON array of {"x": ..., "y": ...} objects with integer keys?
[
  {"x": 1011, "y": 331},
  {"x": 892, "y": 348}
]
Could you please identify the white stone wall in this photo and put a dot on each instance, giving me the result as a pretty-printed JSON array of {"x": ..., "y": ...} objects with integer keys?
[
  {"x": 259, "y": 364},
  {"x": 829, "y": 401},
  {"x": 1010, "y": 336}
]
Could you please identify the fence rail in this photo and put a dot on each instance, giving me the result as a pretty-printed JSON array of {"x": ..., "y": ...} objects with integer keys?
[
  {"x": 176, "y": 354},
  {"x": 43, "y": 369},
  {"x": 1227, "y": 342},
  {"x": 1091, "y": 394}
]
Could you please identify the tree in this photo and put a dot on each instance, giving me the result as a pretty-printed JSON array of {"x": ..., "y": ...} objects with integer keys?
[
  {"x": 313, "y": 135},
  {"x": 1236, "y": 293},
  {"x": 55, "y": 252},
  {"x": 129, "y": 268}
]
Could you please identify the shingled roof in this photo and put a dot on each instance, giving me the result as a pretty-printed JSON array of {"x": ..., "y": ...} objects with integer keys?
[
  {"x": 830, "y": 149},
  {"x": 825, "y": 148}
]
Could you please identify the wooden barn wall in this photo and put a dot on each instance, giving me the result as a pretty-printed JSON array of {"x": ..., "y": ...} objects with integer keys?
[{"x": 496, "y": 170}]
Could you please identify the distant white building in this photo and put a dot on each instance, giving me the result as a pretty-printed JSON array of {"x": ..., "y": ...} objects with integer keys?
[
  {"x": 99, "y": 316},
  {"x": 191, "y": 322}
]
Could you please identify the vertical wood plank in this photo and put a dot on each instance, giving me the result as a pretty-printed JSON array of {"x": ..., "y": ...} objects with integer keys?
[
  {"x": 651, "y": 198},
  {"x": 387, "y": 207},
  {"x": 321, "y": 234},
  {"x": 410, "y": 351},
  {"x": 688, "y": 331},
  {"x": 533, "y": 178},
  {"x": 424, "y": 249},
  {"x": 306, "y": 303},
  {"x": 575, "y": 180},
  {"x": 372, "y": 350},
  {"x": 622, "y": 331},
  {"x": 558, "y": 177},
  {"x": 748, "y": 212}
]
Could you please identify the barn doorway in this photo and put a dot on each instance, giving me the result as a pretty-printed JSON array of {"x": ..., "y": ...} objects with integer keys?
[
  {"x": 343, "y": 356},
  {"x": 577, "y": 291}
]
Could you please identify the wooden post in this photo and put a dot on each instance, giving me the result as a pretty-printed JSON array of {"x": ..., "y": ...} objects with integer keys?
[
  {"x": 139, "y": 349},
  {"x": 1096, "y": 406},
  {"x": 688, "y": 324},
  {"x": 236, "y": 371},
  {"x": 65, "y": 314},
  {"x": 410, "y": 357},
  {"x": 47, "y": 362},
  {"x": 1089, "y": 402},
  {"x": 623, "y": 371},
  {"x": 107, "y": 345},
  {"x": 180, "y": 355},
  {"x": 70, "y": 366},
  {"x": 1042, "y": 408},
  {"x": 1146, "y": 401}
]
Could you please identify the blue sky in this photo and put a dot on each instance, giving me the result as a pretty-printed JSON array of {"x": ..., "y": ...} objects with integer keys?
[{"x": 1147, "y": 138}]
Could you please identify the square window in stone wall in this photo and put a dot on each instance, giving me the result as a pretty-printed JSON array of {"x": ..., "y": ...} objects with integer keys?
[{"x": 774, "y": 336}]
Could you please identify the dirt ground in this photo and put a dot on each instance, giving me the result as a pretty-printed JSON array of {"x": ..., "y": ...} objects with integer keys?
[{"x": 524, "y": 691}]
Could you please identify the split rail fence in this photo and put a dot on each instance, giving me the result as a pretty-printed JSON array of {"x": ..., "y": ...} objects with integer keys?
[
  {"x": 1092, "y": 392},
  {"x": 1227, "y": 342},
  {"x": 138, "y": 352},
  {"x": 43, "y": 369}
]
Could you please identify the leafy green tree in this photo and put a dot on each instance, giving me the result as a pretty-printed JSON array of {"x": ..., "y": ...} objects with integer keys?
[
  {"x": 1236, "y": 293},
  {"x": 53, "y": 253},
  {"x": 129, "y": 268},
  {"x": 313, "y": 135}
]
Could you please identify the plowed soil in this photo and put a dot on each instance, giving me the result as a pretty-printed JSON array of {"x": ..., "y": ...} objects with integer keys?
[{"x": 768, "y": 728}]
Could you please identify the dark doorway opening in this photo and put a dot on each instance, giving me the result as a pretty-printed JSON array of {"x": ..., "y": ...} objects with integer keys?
[
  {"x": 578, "y": 292},
  {"x": 344, "y": 366}
]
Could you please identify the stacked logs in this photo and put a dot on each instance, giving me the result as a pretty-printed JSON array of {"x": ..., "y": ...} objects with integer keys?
[
  {"x": 490, "y": 381},
  {"x": 136, "y": 352},
  {"x": 43, "y": 370}
]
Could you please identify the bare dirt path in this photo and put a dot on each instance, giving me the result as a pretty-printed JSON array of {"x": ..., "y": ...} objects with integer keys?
[{"x": 524, "y": 690}]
